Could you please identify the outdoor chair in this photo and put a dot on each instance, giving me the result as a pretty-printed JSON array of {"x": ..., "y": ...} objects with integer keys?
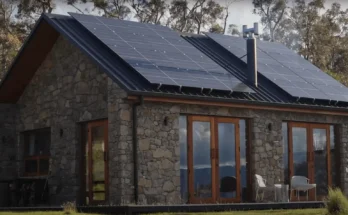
[
  {"x": 301, "y": 183},
  {"x": 260, "y": 186}
]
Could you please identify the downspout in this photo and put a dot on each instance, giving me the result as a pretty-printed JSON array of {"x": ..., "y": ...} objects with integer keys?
[{"x": 135, "y": 147}]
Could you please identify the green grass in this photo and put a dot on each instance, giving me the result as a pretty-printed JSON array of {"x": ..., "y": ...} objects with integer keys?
[
  {"x": 43, "y": 213},
  {"x": 265, "y": 212}
]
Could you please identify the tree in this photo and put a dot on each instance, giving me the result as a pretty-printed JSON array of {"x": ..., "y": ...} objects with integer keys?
[
  {"x": 272, "y": 13},
  {"x": 304, "y": 18},
  {"x": 227, "y": 6},
  {"x": 216, "y": 29},
  {"x": 150, "y": 11},
  {"x": 233, "y": 30},
  {"x": 203, "y": 14},
  {"x": 11, "y": 35},
  {"x": 28, "y": 11},
  {"x": 110, "y": 8}
]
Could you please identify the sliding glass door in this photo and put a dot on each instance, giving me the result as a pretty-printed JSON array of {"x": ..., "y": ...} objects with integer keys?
[{"x": 214, "y": 159}]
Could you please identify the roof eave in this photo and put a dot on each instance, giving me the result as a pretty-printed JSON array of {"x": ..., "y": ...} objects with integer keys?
[{"x": 238, "y": 101}]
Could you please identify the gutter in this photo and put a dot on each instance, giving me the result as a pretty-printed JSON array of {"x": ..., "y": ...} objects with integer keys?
[
  {"x": 175, "y": 98},
  {"x": 135, "y": 148}
]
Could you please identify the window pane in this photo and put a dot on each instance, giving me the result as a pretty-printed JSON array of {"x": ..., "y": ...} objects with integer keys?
[
  {"x": 243, "y": 158},
  {"x": 320, "y": 164},
  {"x": 44, "y": 163},
  {"x": 31, "y": 166},
  {"x": 183, "y": 157},
  {"x": 202, "y": 169},
  {"x": 299, "y": 147},
  {"x": 227, "y": 160},
  {"x": 99, "y": 196},
  {"x": 42, "y": 142},
  {"x": 98, "y": 164},
  {"x": 285, "y": 152},
  {"x": 333, "y": 153}
]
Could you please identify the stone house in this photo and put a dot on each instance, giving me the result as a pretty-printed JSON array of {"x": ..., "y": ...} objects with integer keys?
[{"x": 91, "y": 105}]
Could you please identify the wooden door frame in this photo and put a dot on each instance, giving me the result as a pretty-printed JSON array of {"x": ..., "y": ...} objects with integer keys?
[
  {"x": 88, "y": 183},
  {"x": 310, "y": 152},
  {"x": 234, "y": 121},
  {"x": 214, "y": 156},
  {"x": 190, "y": 120}
]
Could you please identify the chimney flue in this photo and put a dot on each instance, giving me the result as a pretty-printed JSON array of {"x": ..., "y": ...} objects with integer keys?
[{"x": 251, "y": 52}]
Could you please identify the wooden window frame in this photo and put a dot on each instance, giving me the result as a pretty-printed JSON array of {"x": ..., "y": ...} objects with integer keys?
[
  {"x": 214, "y": 157},
  {"x": 36, "y": 158},
  {"x": 87, "y": 139}
]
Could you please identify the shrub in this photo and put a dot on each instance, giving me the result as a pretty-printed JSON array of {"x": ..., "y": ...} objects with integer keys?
[
  {"x": 336, "y": 202},
  {"x": 69, "y": 208}
]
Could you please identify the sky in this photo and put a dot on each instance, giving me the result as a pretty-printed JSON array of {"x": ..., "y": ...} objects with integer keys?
[{"x": 241, "y": 12}]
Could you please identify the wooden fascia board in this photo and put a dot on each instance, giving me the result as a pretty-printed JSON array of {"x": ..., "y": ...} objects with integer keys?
[{"x": 308, "y": 110}]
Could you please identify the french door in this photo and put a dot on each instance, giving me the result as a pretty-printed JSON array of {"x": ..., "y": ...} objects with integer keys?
[
  {"x": 213, "y": 159},
  {"x": 309, "y": 156},
  {"x": 95, "y": 137}
]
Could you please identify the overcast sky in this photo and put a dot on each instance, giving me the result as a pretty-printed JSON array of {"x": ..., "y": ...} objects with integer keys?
[{"x": 241, "y": 13}]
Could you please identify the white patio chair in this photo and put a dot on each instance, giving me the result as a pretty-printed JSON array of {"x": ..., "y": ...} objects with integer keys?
[
  {"x": 260, "y": 186},
  {"x": 301, "y": 183}
]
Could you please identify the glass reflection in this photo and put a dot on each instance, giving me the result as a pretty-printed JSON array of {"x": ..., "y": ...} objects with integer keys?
[
  {"x": 183, "y": 158},
  {"x": 320, "y": 154},
  {"x": 285, "y": 152},
  {"x": 227, "y": 158},
  {"x": 98, "y": 164},
  {"x": 299, "y": 137},
  {"x": 243, "y": 158},
  {"x": 202, "y": 171},
  {"x": 333, "y": 154}
]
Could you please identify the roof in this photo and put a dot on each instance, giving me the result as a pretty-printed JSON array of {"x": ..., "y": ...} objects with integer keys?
[{"x": 16, "y": 79}]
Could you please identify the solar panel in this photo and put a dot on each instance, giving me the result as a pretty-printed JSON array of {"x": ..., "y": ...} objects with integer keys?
[
  {"x": 287, "y": 69},
  {"x": 160, "y": 54}
]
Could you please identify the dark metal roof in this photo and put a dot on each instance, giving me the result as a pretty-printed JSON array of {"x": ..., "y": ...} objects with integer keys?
[{"x": 131, "y": 81}]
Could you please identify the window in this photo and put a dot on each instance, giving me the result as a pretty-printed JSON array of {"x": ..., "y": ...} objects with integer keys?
[{"x": 36, "y": 152}]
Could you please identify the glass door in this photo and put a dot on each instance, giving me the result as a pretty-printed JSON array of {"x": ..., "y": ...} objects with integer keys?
[
  {"x": 299, "y": 156},
  {"x": 96, "y": 162},
  {"x": 214, "y": 159},
  {"x": 201, "y": 159},
  {"x": 309, "y": 156},
  {"x": 320, "y": 165},
  {"x": 228, "y": 160}
]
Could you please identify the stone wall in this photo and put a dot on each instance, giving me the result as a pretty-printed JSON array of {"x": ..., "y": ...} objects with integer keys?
[
  {"x": 67, "y": 89},
  {"x": 8, "y": 142},
  {"x": 159, "y": 149}
]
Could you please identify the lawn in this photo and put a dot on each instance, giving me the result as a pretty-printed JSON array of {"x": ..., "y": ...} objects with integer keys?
[
  {"x": 42, "y": 213},
  {"x": 265, "y": 212}
]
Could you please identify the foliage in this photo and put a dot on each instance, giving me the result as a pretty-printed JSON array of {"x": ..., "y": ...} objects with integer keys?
[
  {"x": 336, "y": 203},
  {"x": 216, "y": 29},
  {"x": 272, "y": 13},
  {"x": 69, "y": 208},
  {"x": 203, "y": 14},
  {"x": 11, "y": 35}
]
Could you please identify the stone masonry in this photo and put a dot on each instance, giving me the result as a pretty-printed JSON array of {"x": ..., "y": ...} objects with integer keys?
[
  {"x": 8, "y": 142},
  {"x": 159, "y": 174},
  {"x": 67, "y": 89}
]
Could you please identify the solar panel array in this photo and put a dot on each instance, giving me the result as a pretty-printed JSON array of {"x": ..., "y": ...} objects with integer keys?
[
  {"x": 287, "y": 69},
  {"x": 160, "y": 54}
]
